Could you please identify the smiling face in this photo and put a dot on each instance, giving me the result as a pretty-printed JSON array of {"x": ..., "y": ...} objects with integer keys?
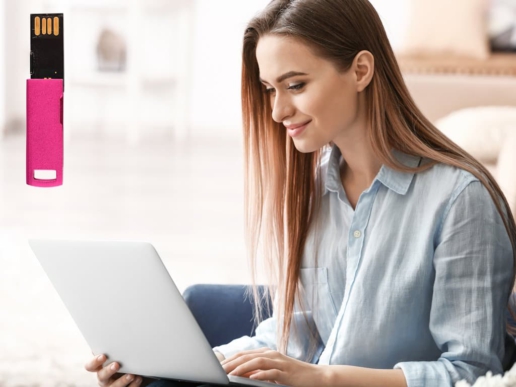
[{"x": 325, "y": 98}]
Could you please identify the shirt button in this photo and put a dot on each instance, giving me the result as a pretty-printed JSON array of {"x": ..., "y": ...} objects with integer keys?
[{"x": 357, "y": 234}]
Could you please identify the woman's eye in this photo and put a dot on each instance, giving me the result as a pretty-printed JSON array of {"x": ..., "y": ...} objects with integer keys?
[
  {"x": 296, "y": 87},
  {"x": 293, "y": 87}
]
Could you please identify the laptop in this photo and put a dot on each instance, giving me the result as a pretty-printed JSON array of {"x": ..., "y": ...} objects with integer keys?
[{"x": 127, "y": 306}]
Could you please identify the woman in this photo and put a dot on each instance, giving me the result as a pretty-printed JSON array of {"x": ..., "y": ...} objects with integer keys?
[{"x": 390, "y": 251}]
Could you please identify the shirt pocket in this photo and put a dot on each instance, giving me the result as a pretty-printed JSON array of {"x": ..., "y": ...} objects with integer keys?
[{"x": 317, "y": 298}]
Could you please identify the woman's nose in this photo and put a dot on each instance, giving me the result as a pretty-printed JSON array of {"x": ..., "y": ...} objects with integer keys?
[{"x": 282, "y": 108}]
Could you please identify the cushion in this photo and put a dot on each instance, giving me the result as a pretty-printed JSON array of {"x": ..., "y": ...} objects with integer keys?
[
  {"x": 488, "y": 134},
  {"x": 453, "y": 28},
  {"x": 505, "y": 168}
]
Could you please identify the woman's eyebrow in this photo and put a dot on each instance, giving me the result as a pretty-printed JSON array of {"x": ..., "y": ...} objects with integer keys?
[{"x": 281, "y": 78}]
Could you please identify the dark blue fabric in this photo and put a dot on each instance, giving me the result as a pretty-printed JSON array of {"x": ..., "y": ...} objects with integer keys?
[{"x": 223, "y": 312}]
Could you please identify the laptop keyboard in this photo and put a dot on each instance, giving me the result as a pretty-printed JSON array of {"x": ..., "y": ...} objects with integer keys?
[{"x": 241, "y": 381}]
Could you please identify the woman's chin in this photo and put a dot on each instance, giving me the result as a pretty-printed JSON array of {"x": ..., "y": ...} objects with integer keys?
[{"x": 304, "y": 146}]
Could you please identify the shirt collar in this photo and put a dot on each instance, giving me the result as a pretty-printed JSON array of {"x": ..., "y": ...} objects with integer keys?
[{"x": 397, "y": 181}]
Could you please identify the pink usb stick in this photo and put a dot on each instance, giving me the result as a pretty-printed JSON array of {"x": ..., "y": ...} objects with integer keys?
[
  {"x": 45, "y": 92},
  {"x": 44, "y": 132}
]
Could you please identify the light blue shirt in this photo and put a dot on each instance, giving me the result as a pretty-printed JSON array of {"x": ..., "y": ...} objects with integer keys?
[{"x": 416, "y": 277}]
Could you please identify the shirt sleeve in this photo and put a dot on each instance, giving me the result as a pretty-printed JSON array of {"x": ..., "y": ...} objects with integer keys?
[
  {"x": 473, "y": 262},
  {"x": 265, "y": 336}
]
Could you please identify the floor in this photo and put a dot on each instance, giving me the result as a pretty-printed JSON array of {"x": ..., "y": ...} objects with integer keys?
[{"x": 185, "y": 197}]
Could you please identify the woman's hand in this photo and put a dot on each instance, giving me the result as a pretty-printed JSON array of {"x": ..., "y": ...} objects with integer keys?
[
  {"x": 220, "y": 356},
  {"x": 268, "y": 365},
  {"x": 108, "y": 377}
]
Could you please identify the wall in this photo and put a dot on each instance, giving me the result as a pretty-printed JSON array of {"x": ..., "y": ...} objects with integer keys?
[
  {"x": 215, "y": 79},
  {"x": 394, "y": 15},
  {"x": 215, "y": 98},
  {"x": 16, "y": 49},
  {"x": 3, "y": 32}
]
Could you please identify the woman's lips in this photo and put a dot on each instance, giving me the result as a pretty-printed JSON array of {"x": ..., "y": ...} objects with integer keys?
[{"x": 297, "y": 131}]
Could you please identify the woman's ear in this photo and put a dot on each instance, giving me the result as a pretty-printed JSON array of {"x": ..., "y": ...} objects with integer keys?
[{"x": 363, "y": 67}]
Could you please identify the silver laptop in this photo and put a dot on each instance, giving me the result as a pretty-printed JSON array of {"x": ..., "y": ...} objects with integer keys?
[{"x": 126, "y": 305}]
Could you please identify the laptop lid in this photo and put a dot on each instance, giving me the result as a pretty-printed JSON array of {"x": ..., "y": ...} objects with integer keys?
[{"x": 126, "y": 306}]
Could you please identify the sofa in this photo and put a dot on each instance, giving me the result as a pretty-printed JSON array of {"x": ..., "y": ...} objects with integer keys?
[{"x": 224, "y": 312}]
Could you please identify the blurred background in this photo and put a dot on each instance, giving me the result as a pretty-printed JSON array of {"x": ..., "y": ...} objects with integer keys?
[{"x": 153, "y": 145}]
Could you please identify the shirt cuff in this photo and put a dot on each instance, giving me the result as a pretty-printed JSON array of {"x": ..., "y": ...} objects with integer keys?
[
  {"x": 425, "y": 374},
  {"x": 241, "y": 344}
]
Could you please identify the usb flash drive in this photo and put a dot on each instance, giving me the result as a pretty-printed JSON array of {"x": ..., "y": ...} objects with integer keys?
[{"x": 45, "y": 90}]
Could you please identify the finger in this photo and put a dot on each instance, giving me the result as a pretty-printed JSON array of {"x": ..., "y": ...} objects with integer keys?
[
  {"x": 220, "y": 357},
  {"x": 260, "y": 363},
  {"x": 136, "y": 382},
  {"x": 107, "y": 372},
  {"x": 95, "y": 364},
  {"x": 243, "y": 353},
  {"x": 126, "y": 380},
  {"x": 248, "y": 374},
  {"x": 270, "y": 376},
  {"x": 231, "y": 365}
]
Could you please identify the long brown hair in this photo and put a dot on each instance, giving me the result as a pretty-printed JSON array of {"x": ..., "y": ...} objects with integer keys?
[{"x": 281, "y": 189}]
